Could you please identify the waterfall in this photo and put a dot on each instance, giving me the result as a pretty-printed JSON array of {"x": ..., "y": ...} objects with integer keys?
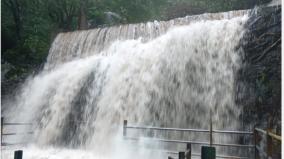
[
  {"x": 168, "y": 74},
  {"x": 78, "y": 44}
]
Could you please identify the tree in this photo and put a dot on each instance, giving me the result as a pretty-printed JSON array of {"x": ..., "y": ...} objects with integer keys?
[
  {"x": 82, "y": 17},
  {"x": 63, "y": 12},
  {"x": 16, "y": 10}
]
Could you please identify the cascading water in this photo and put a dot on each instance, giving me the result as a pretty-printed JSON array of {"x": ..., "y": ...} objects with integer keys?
[
  {"x": 168, "y": 74},
  {"x": 78, "y": 44}
]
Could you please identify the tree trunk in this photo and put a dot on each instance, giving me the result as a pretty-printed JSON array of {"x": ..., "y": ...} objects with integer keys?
[
  {"x": 82, "y": 18},
  {"x": 68, "y": 23},
  {"x": 16, "y": 11}
]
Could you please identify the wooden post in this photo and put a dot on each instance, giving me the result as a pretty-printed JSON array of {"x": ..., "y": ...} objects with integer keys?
[
  {"x": 211, "y": 136},
  {"x": 124, "y": 128},
  {"x": 188, "y": 151},
  {"x": 269, "y": 146},
  {"x": 18, "y": 154},
  {"x": 2, "y": 124},
  {"x": 181, "y": 155}
]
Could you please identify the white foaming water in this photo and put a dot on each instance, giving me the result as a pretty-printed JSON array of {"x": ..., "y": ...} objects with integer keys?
[{"x": 173, "y": 80}]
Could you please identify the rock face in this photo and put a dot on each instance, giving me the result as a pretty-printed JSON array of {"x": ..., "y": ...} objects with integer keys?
[{"x": 259, "y": 83}]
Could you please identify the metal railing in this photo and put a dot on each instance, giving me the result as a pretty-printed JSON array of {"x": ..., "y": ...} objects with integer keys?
[
  {"x": 253, "y": 134},
  {"x": 12, "y": 133},
  {"x": 210, "y": 132},
  {"x": 271, "y": 139}
]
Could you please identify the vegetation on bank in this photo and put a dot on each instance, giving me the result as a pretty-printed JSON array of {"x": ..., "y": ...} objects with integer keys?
[{"x": 29, "y": 26}]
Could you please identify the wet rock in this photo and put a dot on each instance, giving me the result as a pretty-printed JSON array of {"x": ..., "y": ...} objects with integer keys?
[{"x": 259, "y": 81}]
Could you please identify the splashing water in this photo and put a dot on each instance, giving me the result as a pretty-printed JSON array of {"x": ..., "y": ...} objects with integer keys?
[{"x": 172, "y": 79}]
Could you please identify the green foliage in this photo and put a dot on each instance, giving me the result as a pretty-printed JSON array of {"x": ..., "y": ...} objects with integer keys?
[{"x": 63, "y": 12}]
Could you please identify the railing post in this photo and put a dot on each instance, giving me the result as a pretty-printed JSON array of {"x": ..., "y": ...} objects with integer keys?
[
  {"x": 211, "y": 137},
  {"x": 18, "y": 154},
  {"x": 208, "y": 152},
  {"x": 181, "y": 155},
  {"x": 256, "y": 137},
  {"x": 188, "y": 151},
  {"x": 124, "y": 128},
  {"x": 269, "y": 146},
  {"x": 2, "y": 124}
]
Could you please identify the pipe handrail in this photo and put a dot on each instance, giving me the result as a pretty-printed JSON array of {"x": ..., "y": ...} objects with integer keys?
[
  {"x": 192, "y": 142},
  {"x": 233, "y": 132},
  {"x": 164, "y": 140},
  {"x": 274, "y": 136},
  {"x": 20, "y": 133},
  {"x": 190, "y": 130},
  {"x": 217, "y": 156},
  {"x": 196, "y": 154},
  {"x": 260, "y": 130},
  {"x": 10, "y": 144},
  {"x": 223, "y": 156},
  {"x": 271, "y": 134},
  {"x": 169, "y": 129},
  {"x": 17, "y": 124}
]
